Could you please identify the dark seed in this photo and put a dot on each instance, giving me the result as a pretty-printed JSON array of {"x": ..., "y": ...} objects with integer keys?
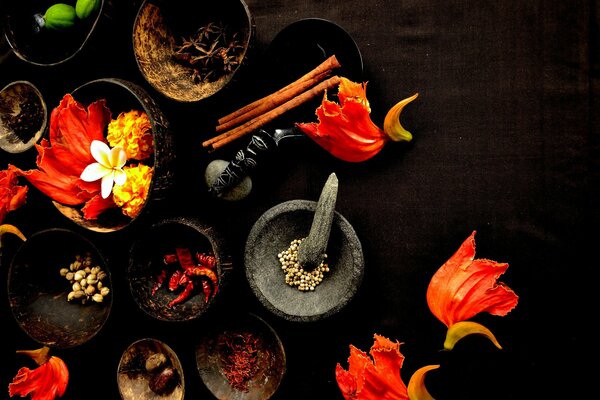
[{"x": 165, "y": 381}]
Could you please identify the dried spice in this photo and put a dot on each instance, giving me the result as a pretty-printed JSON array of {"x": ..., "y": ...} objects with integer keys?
[
  {"x": 295, "y": 274},
  {"x": 239, "y": 354},
  {"x": 187, "y": 271},
  {"x": 28, "y": 120},
  {"x": 212, "y": 52},
  {"x": 88, "y": 280}
]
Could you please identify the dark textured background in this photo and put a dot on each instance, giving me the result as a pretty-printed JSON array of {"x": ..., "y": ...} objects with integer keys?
[{"x": 505, "y": 142}]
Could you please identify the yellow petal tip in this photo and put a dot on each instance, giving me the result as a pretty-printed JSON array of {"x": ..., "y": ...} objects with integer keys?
[
  {"x": 416, "y": 385},
  {"x": 8, "y": 228},
  {"x": 465, "y": 328},
  {"x": 391, "y": 124}
]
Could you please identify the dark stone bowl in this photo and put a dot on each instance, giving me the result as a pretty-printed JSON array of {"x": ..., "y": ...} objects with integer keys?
[
  {"x": 272, "y": 234},
  {"x": 47, "y": 47},
  {"x": 146, "y": 262},
  {"x": 123, "y": 96},
  {"x": 134, "y": 380},
  {"x": 38, "y": 294},
  {"x": 271, "y": 359},
  {"x": 160, "y": 24}
]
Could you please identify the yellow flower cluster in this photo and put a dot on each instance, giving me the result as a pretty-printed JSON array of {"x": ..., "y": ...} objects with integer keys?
[
  {"x": 131, "y": 196},
  {"x": 133, "y": 132}
]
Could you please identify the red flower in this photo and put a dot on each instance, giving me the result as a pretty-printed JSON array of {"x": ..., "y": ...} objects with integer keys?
[
  {"x": 12, "y": 196},
  {"x": 346, "y": 130},
  {"x": 377, "y": 378},
  {"x": 46, "y": 382},
  {"x": 464, "y": 287},
  {"x": 61, "y": 160}
]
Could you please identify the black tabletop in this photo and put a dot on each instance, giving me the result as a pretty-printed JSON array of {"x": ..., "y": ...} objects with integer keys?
[{"x": 505, "y": 143}]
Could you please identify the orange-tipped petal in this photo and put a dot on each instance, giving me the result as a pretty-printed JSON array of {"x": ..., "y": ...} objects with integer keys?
[
  {"x": 416, "y": 385},
  {"x": 46, "y": 382},
  {"x": 465, "y": 328},
  {"x": 392, "y": 125},
  {"x": 465, "y": 286}
]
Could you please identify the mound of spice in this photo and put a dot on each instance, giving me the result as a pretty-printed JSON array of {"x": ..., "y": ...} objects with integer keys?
[
  {"x": 296, "y": 275},
  {"x": 88, "y": 281},
  {"x": 239, "y": 353}
]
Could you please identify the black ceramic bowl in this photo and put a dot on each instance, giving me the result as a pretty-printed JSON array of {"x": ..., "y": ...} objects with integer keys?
[
  {"x": 123, "y": 96},
  {"x": 146, "y": 263},
  {"x": 134, "y": 379},
  {"x": 272, "y": 233},
  {"x": 160, "y": 26},
  {"x": 265, "y": 368},
  {"x": 46, "y": 47},
  {"x": 38, "y": 294},
  {"x": 23, "y": 116}
]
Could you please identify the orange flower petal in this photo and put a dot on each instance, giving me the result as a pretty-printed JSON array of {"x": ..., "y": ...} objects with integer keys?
[
  {"x": 376, "y": 377},
  {"x": 465, "y": 286},
  {"x": 12, "y": 196},
  {"x": 46, "y": 382},
  {"x": 416, "y": 385}
]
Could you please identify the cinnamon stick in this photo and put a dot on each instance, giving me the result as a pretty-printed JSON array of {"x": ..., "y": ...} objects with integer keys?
[
  {"x": 255, "y": 123},
  {"x": 286, "y": 93}
]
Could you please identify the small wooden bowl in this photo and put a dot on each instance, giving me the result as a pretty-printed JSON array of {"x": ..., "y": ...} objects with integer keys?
[
  {"x": 123, "y": 96},
  {"x": 46, "y": 47},
  {"x": 270, "y": 359},
  {"x": 37, "y": 293},
  {"x": 146, "y": 263},
  {"x": 134, "y": 380},
  {"x": 160, "y": 25},
  {"x": 23, "y": 116}
]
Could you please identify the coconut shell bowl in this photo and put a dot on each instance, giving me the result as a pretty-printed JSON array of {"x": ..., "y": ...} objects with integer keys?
[
  {"x": 59, "y": 288},
  {"x": 245, "y": 337},
  {"x": 178, "y": 269},
  {"x": 189, "y": 51},
  {"x": 44, "y": 38},
  {"x": 123, "y": 96},
  {"x": 150, "y": 370},
  {"x": 23, "y": 116}
]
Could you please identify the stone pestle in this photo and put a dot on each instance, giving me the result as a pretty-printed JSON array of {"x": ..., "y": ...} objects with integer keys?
[{"x": 312, "y": 250}]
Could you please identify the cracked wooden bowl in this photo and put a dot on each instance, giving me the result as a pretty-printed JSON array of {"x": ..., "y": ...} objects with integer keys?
[{"x": 160, "y": 27}]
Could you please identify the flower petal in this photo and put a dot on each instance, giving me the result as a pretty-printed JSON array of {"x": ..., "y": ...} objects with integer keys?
[
  {"x": 118, "y": 157},
  {"x": 101, "y": 153},
  {"x": 120, "y": 177},
  {"x": 391, "y": 124},
  {"x": 107, "y": 184},
  {"x": 46, "y": 382},
  {"x": 94, "y": 171},
  {"x": 416, "y": 385},
  {"x": 465, "y": 328}
]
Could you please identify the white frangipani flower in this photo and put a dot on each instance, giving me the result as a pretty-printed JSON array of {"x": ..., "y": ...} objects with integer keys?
[{"x": 109, "y": 166}]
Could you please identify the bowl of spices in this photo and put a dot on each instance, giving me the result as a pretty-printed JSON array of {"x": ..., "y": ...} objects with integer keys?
[
  {"x": 150, "y": 369},
  {"x": 23, "y": 116},
  {"x": 51, "y": 32},
  {"x": 59, "y": 288},
  {"x": 241, "y": 358},
  {"x": 333, "y": 267},
  {"x": 177, "y": 269},
  {"x": 189, "y": 51}
]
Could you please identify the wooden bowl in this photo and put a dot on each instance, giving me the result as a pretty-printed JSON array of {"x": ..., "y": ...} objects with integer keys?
[
  {"x": 134, "y": 379},
  {"x": 160, "y": 26},
  {"x": 23, "y": 116},
  {"x": 46, "y": 47},
  {"x": 123, "y": 96},
  {"x": 147, "y": 262},
  {"x": 37, "y": 292}
]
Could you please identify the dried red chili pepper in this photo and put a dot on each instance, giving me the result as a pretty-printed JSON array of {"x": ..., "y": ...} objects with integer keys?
[
  {"x": 183, "y": 296},
  {"x": 206, "y": 260}
]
